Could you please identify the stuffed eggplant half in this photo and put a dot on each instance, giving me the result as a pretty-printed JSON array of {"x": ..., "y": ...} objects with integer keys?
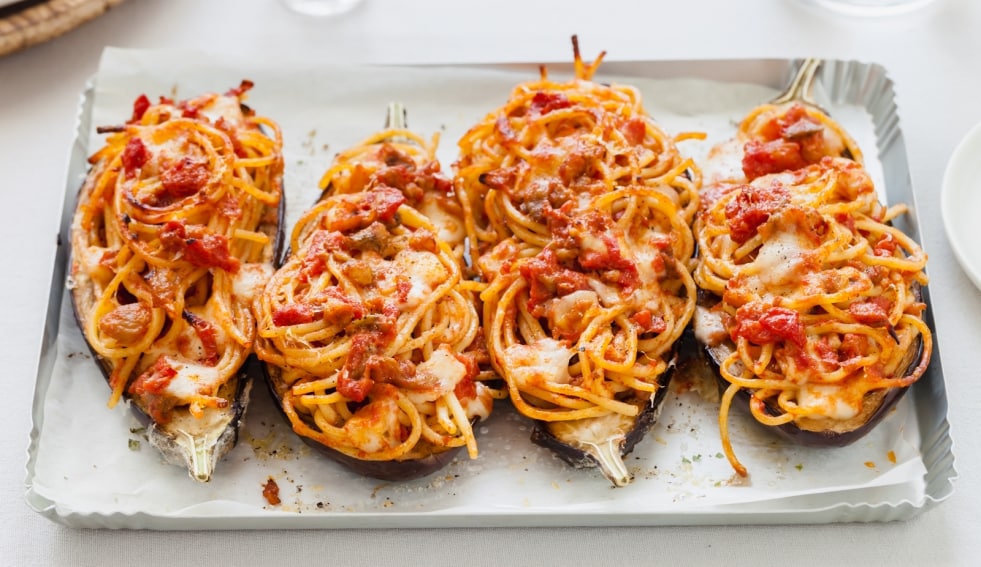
[
  {"x": 369, "y": 331},
  {"x": 812, "y": 312},
  {"x": 577, "y": 207},
  {"x": 810, "y": 309},
  {"x": 175, "y": 231}
]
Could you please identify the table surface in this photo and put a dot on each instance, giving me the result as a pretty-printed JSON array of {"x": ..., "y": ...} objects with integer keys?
[{"x": 933, "y": 55}]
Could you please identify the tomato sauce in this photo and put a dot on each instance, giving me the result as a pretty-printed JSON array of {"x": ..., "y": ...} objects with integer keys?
[
  {"x": 760, "y": 324},
  {"x": 751, "y": 208}
]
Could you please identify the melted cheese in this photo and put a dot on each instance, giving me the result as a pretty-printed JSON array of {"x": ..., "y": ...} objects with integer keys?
[
  {"x": 187, "y": 344},
  {"x": 441, "y": 373},
  {"x": 780, "y": 260},
  {"x": 192, "y": 380},
  {"x": 424, "y": 272},
  {"x": 249, "y": 280},
  {"x": 481, "y": 405},
  {"x": 493, "y": 261},
  {"x": 644, "y": 256},
  {"x": 226, "y": 107},
  {"x": 609, "y": 295},
  {"x": 369, "y": 429},
  {"x": 709, "y": 329},
  {"x": 828, "y": 401},
  {"x": 91, "y": 258},
  {"x": 545, "y": 360},
  {"x": 724, "y": 163},
  {"x": 88, "y": 269},
  {"x": 645, "y": 295},
  {"x": 589, "y": 242},
  {"x": 449, "y": 229},
  {"x": 575, "y": 304},
  {"x": 780, "y": 265},
  {"x": 164, "y": 153}
]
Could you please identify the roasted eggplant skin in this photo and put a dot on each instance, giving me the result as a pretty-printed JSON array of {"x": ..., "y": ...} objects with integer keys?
[{"x": 543, "y": 435}]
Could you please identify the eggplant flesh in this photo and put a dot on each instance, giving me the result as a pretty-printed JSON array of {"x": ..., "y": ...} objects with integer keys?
[
  {"x": 604, "y": 441},
  {"x": 807, "y": 432},
  {"x": 391, "y": 470}
]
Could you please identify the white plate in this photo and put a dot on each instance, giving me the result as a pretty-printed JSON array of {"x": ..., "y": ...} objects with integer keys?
[{"x": 960, "y": 200}]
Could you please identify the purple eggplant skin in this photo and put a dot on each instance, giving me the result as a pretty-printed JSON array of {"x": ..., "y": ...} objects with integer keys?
[
  {"x": 704, "y": 358},
  {"x": 544, "y": 436},
  {"x": 392, "y": 471}
]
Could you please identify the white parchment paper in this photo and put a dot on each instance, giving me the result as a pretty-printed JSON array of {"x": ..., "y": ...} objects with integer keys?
[{"x": 93, "y": 461}]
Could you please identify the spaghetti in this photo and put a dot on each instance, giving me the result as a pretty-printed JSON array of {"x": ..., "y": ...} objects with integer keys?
[
  {"x": 557, "y": 142},
  {"x": 818, "y": 313},
  {"x": 173, "y": 235},
  {"x": 577, "y": 203},
  {"x": 370, "y": 331}
]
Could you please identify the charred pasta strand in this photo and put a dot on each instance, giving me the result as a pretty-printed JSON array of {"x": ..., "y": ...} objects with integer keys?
[
  {"x": 578, "y": 205},
  {"x": 818, "y": 312},
  {"x": 173, "y": 235},
  {"x": 372, "y": 333}
]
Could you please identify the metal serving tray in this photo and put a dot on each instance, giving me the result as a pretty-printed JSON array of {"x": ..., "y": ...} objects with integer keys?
[{"x": 88, "y": 466}]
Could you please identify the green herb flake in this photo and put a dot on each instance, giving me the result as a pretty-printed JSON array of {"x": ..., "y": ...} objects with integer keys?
[{"x": 134, "y": 444}]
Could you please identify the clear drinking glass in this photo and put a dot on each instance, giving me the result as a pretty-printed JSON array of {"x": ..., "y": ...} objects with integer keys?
[
  {"x": 321, "y": 7},
  {"x": 870, "y": 7}
]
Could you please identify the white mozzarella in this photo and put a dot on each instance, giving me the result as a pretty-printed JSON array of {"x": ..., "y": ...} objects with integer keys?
[{"x": 545, "y": 360}]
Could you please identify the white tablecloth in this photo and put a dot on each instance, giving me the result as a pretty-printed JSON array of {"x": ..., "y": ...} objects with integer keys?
[{"x": 933, "y": 55}]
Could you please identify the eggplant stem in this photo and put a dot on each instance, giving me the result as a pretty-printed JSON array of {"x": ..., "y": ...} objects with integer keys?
[
  {"x": 202, "y": 464},
  {"x": 799, "y": 89},
  {"x": 607, "y": 456},
  {"x": 396, "y": 118}
]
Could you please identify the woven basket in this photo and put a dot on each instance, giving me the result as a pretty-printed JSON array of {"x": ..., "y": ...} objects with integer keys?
[{"x": 27, "y": 23}]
